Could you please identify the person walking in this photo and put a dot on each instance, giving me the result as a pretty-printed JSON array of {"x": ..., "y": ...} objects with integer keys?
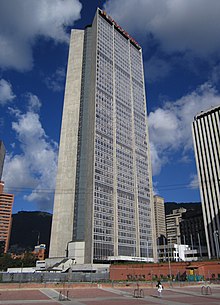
[{"x": 159, "y": 288}]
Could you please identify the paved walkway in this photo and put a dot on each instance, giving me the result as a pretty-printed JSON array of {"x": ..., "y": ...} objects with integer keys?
[{"x": 108, "y": 296}]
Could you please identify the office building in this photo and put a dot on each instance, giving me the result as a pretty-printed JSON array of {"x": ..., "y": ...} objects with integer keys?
[
  {"x": 193, "y": 232},
  {"x": 103, "y": 206},
  {"x": 206, "y": 135},
  {"x": 6, "y": 203},
  {"x": 2, "y": 157},
  {"x": 159, "y": 214},
  {"x": 173, "y": 221}
]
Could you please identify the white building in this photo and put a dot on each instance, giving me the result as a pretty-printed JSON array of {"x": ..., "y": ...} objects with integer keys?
[
  {"x": 184, "y": 253},
  {"x": 103, "y": 203},
  {"x": 206, "y": 134}
]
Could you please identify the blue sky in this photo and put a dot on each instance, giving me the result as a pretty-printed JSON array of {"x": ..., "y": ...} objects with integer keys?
[{"x": 181, "y": 47}]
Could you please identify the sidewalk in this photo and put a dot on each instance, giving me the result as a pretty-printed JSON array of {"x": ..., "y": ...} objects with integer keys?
[{"x": 104, "y": 295}]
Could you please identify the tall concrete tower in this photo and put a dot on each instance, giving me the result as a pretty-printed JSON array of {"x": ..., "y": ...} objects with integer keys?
[
  {"x": 103, "y": 206},
  {"x": 206, "y": 134}
]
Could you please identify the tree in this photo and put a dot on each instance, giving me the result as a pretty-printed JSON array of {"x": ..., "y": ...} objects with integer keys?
[{"x": 6, "y": 261}]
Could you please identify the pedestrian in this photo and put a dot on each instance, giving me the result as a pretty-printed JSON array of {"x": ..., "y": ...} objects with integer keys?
[{"x": 159, "y": 288}]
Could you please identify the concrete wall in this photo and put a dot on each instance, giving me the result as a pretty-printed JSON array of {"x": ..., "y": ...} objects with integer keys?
[
  {"x": 46, "y": 277},
  {"x": 62, "y": 224}
]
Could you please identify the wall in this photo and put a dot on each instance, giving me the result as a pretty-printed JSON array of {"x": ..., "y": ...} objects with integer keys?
[{"x": 179, "y": 271}]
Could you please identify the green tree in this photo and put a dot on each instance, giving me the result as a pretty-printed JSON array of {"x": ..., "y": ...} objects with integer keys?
[{"x": 6, "y": 261}]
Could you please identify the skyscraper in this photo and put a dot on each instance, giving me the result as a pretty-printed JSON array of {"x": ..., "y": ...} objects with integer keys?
[
  {"x": 2, "y": 157},
  {"x": 206, "y": 134},
  {"x": 159, "y": 212},
  {"x": 6, "y": 203},
  {"x": 103, "y": 206}
]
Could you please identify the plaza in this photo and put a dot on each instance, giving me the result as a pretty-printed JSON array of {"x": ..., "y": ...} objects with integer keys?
[{"x": 107, "y": 294}]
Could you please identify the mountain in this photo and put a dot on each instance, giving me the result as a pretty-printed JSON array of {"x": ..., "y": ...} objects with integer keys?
[{"x": 29, "y": 228}]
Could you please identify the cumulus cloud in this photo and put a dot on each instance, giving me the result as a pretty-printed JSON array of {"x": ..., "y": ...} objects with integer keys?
[
  {"x": 194, "y": 182},
  {"x": 35, "y": 167},
  {"x": 178, "y": 25},
  {"x": 55, "y": 82},
  {"x": 22, "y": 21},
  {"x": 170, "y": 125},
  {"x": 6, "y": 93},
  {"x": 34, "y": 103},
  {"x": 157, "y": 160}
]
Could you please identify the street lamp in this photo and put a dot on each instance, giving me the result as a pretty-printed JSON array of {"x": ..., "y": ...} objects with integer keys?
[
  {"x": 147, "y": 250},
  {"x": 38, "y": 237},
  {"x": 216, "y": 236}
]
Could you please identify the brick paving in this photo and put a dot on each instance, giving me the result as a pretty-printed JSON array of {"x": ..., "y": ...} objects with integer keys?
[
  {"x": 29, "y": 303},
  {"x": 22, "y": 295},
  {"x": 104, "y": 295},
  {"x": 118, "y": 302},
  {"x": 86, "y": 293}
]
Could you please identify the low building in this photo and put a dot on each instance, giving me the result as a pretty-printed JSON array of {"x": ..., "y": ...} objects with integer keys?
[
  {"x": 184, "y": 253},
  {"x": 40, "y": 265},
  {"x": 39, "y": 251}
]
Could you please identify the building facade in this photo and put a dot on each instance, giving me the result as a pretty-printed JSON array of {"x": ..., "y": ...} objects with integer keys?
[
  {"x": 6, "y": 203},
  {"x": 193, "y": 231},
  {"x": 103, "y": 204},
  {"x": 2, "y": 158},
  {"x": 159, "y": 214},
  {"x": 206, "y": 135},
  {"x": 173, "y": 221}
]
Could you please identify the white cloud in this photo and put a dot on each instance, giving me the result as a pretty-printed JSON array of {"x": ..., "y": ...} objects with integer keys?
[
  {"x": 22, "y": 21},
  {"x": 178, "y": 25},
  {"x": 35, "y": 167},
  {"x": 34, "y": 103},
  {"x": 194, "y": 182},
  {"x": 6, "y": 93},
  {"x": 170, "y": 125},
  {"x": 55, "y": 82},
  {"x": 157, "y": 160}
]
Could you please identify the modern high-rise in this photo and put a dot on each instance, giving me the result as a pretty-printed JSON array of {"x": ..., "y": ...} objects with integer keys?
[
  {"x": 103, "y": 206},
  {"x": 206, "y": 134},
  {"x": 2, "y": 157},
  {"x": 6, "y": 203},
  {"x": 159, "y": 214}
]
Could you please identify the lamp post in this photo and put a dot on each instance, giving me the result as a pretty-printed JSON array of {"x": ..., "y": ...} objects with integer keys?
[
  {"x": 200, "y": 249},
  {"x": 38, "y": 237},
  {"x": 192, "y": 245},
  {"x": 147, "y": 251},
  {"x": 216, "y": 236}
]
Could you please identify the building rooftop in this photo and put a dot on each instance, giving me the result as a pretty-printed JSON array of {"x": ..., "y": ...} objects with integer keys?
[{"x": 207, "y": 112}]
